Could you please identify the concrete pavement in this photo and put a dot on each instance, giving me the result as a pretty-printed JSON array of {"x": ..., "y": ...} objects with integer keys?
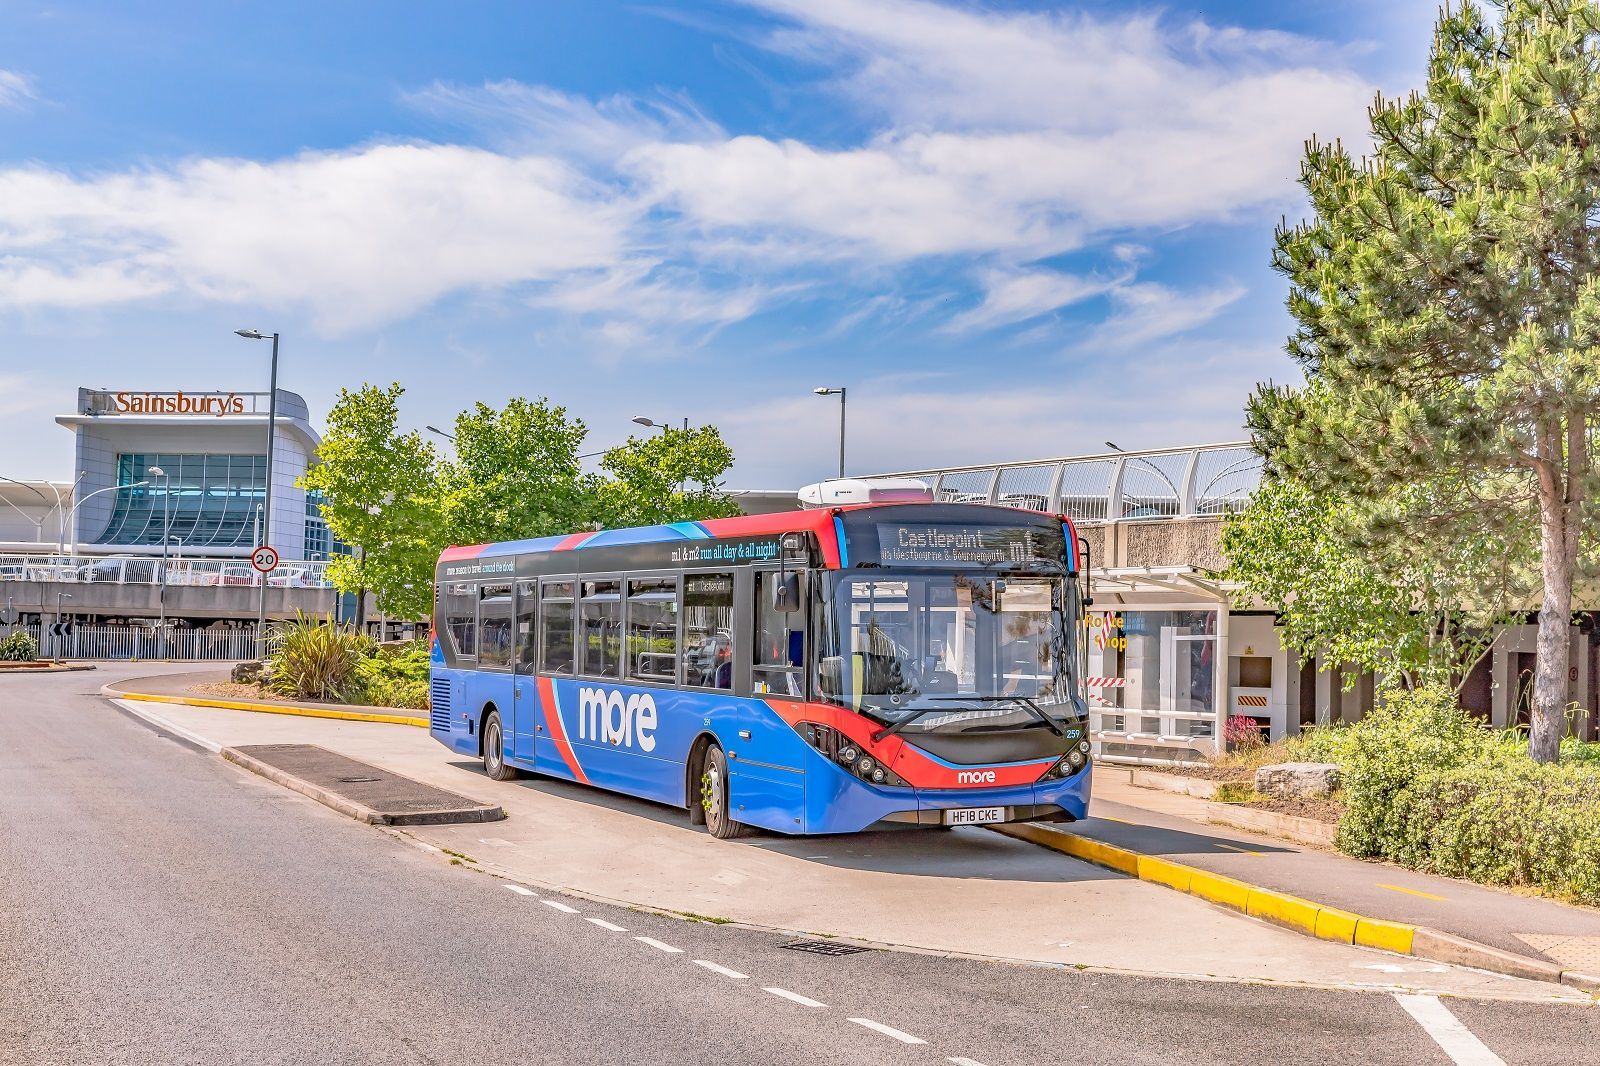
[
  {"x": 163, "y": 907},
  {"x": 966, "y": 892}
]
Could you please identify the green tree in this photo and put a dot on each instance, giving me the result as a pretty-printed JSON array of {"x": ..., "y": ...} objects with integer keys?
[
  {"x": 381, "y": 498},
  {"x": 671, "y": 477},
  {"x": 1424, "y": 611},
  {"x": 1447, "y": 296},
  {"x": 516, "y": 474}
]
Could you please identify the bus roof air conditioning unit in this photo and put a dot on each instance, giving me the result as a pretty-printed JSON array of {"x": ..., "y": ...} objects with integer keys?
[{"x": 846, "y": 491}]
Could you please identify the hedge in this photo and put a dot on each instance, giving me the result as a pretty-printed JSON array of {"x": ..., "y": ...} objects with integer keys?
[{"x": 1428, "y": 787}]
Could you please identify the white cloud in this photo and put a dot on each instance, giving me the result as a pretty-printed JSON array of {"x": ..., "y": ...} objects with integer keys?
[
  {"x": 16, "y": 90},
  {"x": 1018, "y": 295},
  {"x": 1147, "y": 311},
  {"x": 997, "y": 139},
  {"x": 358, "y": 238}
]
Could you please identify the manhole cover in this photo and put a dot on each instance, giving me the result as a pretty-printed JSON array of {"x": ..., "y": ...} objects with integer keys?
[
  {"x": 357, "y": 780},
  {"x": 823, "y": 947}
]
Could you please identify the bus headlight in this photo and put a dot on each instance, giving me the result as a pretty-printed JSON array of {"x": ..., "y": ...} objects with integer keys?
[
  {"x": 1070, "y": 763},
  {"x": 848, "y": 755}
]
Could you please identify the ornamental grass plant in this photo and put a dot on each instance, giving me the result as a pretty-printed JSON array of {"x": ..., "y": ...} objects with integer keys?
[{"x": 316, "y": 659}]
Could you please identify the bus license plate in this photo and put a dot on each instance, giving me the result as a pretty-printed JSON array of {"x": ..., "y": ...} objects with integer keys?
[{"x": 974, "y": 815}]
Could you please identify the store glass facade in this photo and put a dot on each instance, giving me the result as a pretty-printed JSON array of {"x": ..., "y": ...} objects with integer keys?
[{"x": 205, "y": 501}]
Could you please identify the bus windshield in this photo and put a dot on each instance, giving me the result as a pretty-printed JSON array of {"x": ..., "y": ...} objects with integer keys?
[{"x": 896, "y": 644}]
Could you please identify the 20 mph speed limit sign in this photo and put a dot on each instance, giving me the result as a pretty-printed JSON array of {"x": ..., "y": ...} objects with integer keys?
[{"x": 264, "y": 559}]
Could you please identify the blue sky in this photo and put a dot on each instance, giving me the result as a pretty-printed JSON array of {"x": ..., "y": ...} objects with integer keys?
[{"x": 1014, "y": 230}]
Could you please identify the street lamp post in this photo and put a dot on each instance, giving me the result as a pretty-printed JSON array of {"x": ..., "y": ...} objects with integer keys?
[
  {"x": 39, "y": 524},
  {"x": 272, "y": 438},
  {"x": 166, "y": 536},
  {"x": 840, "y": 392},
  {"x": 451, "y": 437},
  {"x": 72, "y": 515}
]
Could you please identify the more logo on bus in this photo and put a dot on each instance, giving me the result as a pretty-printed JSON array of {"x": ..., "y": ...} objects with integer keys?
[
  {"x": 610, "y": 717},
  {"x": 975, "y": 777}
]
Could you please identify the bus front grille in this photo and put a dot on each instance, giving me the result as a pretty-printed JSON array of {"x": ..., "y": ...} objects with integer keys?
[{"x": 439, "y": 704}]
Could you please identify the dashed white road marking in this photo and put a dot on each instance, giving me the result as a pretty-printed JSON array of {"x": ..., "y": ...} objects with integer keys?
[
  {"x": 562, "y": 907},
  {"x": 602, "y": 923},
  {"x": 658, "y": 945},
  {"x": 794, "y": 997},
  {"x": 1447, "y": 1031},
  {"x": 519, "y": 890},
  {"x": 966, "y": 1062},
  {"x": 723, "y": 970},
  {"x": 879, "y": 1027}
]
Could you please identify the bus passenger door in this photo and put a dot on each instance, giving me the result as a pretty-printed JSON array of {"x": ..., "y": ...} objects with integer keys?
[{"x": 524, "y": 714}]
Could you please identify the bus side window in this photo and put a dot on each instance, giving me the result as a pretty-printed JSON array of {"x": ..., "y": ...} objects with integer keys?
[
  {"x": 527, "y": 612},
  {"x": 461, "y": 619},
  {"x": 708, "y": 630},
  {"x": 555, "y": 628},
  {"x": 600, "y": 640},
  {"x": 780, "y": 652},
  {"x": 494, "y": 627},
  {"x": 652, "y": 644}
]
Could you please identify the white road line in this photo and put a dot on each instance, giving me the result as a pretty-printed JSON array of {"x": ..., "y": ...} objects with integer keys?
[
  {"x": 659, "y": 946},
  {"x": 134, "y": 707},
  {"x": 562, "y": 907},
  {"x": 602, "y": 923},
  {"x": 794, "y": 997},
  {"x": 519, "y": 890},
  {"x": 879, "y": 1027},
  {"x": 1447, "y": 1031},
  {"x": 723, "y": 970},
  {"x": 967, "y": 1062}
]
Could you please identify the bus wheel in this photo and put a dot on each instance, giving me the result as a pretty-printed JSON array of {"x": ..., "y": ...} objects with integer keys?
[
  {"x": 714, "y": 796},
  {"x": 494, "y": 761}
]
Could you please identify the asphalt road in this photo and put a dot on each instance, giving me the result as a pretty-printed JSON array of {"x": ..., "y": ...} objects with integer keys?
[{"x": 158, "y": 905}]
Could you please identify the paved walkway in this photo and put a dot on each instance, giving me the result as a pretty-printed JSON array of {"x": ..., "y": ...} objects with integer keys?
[{"x": 1174, "y": 826}]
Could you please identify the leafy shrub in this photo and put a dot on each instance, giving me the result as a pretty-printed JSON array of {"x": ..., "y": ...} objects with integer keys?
[
  {"x": 315, "y": 659},
  {"x": 1428, "y": 787},
  {"x": 395, "y": 675},
  {"x": 19, "y": 647},
  {"x": 1323, "y": 743},
  {"x": 1243, "y": 732}
]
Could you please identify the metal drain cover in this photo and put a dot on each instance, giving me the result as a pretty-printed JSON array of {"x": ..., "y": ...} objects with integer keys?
[{"x": 823, "y": 947}]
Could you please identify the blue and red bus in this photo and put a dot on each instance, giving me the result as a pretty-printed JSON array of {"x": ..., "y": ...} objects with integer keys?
[{"x": 817, "y": 671}]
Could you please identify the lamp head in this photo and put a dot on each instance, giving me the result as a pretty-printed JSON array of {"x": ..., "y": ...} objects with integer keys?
[
  {"x": 1113, "y": 446},
  {"x": 251, "y": 334},
  {"x": 641, "y": 420},
  {"x": 157, "y": 471}
]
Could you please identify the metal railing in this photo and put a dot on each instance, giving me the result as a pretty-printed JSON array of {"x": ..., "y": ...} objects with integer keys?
[
  {"x": 146, "y": 570},
  {"x": 213, "y": 644},
  {"x": 1212, "y": 479}
]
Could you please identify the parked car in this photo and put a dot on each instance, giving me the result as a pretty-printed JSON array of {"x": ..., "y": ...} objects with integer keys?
[
  {"x": 239, "y": 574},
  {"x": 294, "y": 577},
  {"x": 122, "y": 571}
]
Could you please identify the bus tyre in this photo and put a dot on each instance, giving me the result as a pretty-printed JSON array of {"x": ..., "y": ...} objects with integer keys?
[
  {"x": 714, "y": 796},
  {"x": 494, "y": 761}
]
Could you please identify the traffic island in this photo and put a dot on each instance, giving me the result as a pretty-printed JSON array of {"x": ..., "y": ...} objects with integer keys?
[{"x": 362, "y": 791}]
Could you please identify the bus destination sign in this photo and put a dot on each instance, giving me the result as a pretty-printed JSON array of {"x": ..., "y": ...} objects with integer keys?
[{"x": 951, "y": 544}]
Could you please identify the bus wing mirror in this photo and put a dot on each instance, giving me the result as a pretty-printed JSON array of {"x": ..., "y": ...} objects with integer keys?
[{"x": 786, "y": 593}]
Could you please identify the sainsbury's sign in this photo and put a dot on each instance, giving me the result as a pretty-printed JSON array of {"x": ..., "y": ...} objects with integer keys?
[{"x": 216, "y": 404}]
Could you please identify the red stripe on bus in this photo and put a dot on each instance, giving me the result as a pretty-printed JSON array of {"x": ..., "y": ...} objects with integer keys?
[
  {"x": 900, "y": 756},
  {"x": 558, "y": 731}
]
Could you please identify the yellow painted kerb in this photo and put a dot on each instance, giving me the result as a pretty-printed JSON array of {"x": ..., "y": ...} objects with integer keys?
[
  {"x": 1326, "y": 923},
  {"x": 270, "y": 708}
]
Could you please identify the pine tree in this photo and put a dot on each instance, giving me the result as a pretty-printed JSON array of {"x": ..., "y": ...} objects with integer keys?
[{"x": 1446, "y": 291}]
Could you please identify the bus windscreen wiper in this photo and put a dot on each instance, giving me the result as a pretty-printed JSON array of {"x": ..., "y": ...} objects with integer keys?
[{"x": 1033, "y": 708}]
